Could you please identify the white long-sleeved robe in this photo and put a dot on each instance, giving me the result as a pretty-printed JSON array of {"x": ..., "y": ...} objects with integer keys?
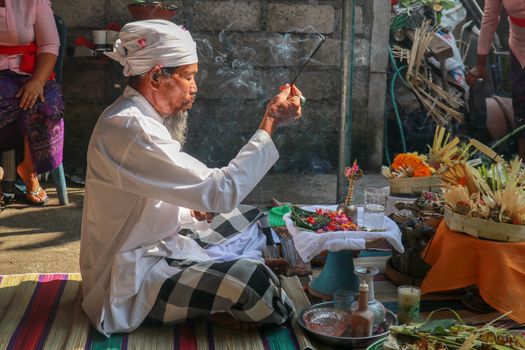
[{"x": 138, "y": 187}]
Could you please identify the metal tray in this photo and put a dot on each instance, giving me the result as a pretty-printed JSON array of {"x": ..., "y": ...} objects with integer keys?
[{"x": 346, "y": 341}]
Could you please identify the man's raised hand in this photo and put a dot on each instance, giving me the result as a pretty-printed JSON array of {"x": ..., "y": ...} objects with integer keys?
[{"x": 284, "y": 108}]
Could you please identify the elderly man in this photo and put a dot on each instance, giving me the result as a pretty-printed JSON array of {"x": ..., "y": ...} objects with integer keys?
[{"x": 141, "y": 190}]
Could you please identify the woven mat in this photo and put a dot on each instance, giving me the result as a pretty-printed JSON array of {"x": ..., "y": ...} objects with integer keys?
[{"x": 42, "y": 311}]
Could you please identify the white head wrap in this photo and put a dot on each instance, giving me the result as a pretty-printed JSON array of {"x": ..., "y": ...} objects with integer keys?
[{"x": 143, "y": 44}]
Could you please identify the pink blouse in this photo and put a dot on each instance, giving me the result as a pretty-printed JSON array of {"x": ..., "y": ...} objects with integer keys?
[
  {"x": 19, "y": 21},
  {"x": 489, "y": 24}
]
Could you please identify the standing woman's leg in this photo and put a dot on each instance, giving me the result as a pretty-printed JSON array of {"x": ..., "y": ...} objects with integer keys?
[
  {"x": 26, "y": 171},
  {"x": 517, "y": 76}
]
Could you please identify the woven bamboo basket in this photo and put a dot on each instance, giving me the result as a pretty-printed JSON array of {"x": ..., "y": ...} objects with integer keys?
[
  {"x": 480, "y": 228},
  {"x": 415, "y": 185}
]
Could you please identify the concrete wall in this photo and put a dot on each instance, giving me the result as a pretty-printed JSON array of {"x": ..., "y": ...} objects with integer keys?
[{"x": 246, "y": 50}]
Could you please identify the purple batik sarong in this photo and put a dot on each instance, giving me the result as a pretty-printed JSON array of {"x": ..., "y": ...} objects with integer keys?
[{"x": 43, "y": 124}]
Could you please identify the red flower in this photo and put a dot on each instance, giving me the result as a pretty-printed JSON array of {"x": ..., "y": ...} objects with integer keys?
[
  {"x": 331, "y": 227},
  {"x": 311, "y": 220}
]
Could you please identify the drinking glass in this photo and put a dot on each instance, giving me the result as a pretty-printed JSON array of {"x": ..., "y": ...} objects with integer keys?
[
  {"x": 343, "y": 300},
  {"x": 408, "y": 300},
  {"x": 375, "y": 204}
]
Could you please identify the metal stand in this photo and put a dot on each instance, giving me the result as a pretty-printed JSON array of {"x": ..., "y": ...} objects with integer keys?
[{"x": 338, "y": 273}]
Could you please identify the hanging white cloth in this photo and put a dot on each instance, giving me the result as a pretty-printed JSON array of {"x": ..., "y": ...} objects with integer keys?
[{"x": 309, "y": 244}]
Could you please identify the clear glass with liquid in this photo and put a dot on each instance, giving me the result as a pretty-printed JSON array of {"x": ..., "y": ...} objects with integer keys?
[{"x": 374, "y": 211}]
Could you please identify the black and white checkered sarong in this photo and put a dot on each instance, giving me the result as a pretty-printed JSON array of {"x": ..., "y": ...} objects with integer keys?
[
  {"x": 246, "y": 289},
  {"x": 225, "y": 226}
]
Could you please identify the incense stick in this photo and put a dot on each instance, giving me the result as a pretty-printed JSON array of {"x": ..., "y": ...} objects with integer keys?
[{"x": 323, "y": 38}]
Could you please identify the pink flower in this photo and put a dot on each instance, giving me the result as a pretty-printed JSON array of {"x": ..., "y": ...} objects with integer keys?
[
  {"x": 351, "y": 171},
  {"x": 142, "y": 42}
]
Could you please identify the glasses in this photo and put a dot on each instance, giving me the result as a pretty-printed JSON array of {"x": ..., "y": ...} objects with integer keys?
[
  {"x": 375, "y": 203},
  {"x": 408, "y": 300},
  {"x": 343, "y": 300}
]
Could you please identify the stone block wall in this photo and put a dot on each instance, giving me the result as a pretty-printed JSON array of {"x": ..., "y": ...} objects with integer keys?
[{"x": 247, "y": 49}]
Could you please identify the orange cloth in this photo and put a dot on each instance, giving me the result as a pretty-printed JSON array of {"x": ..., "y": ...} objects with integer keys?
[{"x": 497, "y": 268}]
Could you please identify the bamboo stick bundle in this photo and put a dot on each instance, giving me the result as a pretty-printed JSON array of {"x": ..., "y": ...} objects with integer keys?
[
  {"x": 422, "y": 38},
  {"x": 440, "y": 98},
  {"x": 437, "y": 108},
  {"x": 401, "y": 53},
  {"x": 441, "y": 105}
]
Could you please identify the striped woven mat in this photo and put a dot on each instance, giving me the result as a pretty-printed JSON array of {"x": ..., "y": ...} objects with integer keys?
[{"x": 42, "y": 311}]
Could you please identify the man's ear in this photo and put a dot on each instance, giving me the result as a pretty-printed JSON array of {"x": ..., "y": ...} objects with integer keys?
[{"x": 155, "y": 76}]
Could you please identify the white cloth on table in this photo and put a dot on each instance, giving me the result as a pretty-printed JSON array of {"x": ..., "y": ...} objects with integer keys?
[{"x": 309, "y": 244}]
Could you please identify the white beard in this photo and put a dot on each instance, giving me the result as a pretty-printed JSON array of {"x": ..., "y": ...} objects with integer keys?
[{"x": 177, "y": 125}]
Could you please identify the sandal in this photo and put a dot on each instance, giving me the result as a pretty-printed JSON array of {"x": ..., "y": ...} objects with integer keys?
[
  {"x": 22, "y": 191},
  {"x": 35, "y": 193}
]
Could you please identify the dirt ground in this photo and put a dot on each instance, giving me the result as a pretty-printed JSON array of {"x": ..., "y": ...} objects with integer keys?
[
  {"x": 41, "y": 239},
  {"x": 47, "y": 239}
]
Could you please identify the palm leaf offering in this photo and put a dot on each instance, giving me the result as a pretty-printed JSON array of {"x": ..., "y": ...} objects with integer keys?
[
  {"x": 443, "y": 151},
  {"x": 309, "y": 220},
  {"x": 400, "y": 173},
  {"x": 495, "y": 192},
  {"x": 442, "y": 154},
  {"x": 487, "y": 151},
  {"x": 452, "y": 334}
]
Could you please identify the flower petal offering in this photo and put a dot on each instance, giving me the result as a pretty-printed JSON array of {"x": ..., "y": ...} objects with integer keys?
[
  {"x": 442, "y": 153},
  {"x": 322, "y": 220}
]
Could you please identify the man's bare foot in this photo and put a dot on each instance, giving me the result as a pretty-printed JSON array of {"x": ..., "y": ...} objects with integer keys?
[
  {"x": 226, "y": 320},
  {"x": 34, "y": 192}
]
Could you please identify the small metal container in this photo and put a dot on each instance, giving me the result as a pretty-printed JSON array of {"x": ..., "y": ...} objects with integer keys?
[
  {"x": 344, "y": 340},
  {"x": 327, "y": 321}
]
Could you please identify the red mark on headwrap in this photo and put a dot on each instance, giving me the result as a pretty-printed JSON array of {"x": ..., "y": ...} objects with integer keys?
[{"x": 142, "y": 42}]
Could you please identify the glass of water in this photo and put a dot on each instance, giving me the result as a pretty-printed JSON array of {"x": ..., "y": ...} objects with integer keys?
[{"x": 375, "y": 203}]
